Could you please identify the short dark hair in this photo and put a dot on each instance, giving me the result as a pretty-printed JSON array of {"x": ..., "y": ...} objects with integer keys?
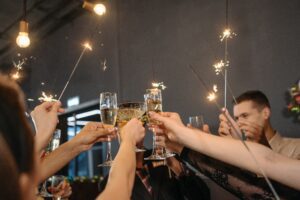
[
  {"x": 14, "y": 126},
  {"x": 256, "y": 96}
]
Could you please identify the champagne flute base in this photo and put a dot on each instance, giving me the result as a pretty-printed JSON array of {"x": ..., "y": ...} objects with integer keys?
[
  {"x": 106, "y": 164},
  {"x": 155, "y": 157}
]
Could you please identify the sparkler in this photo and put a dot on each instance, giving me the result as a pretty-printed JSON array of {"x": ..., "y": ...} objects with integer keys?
[
  {"x": 219, "y": 66},
  {"x": 159, "y": 85},
  {"x": 18, "y": 66},
  {"x": 46, "y": 98},
  {"x": 227, "y": 33},
  {"x": 86, "y": 46},
  {"x": 16, "y": 75},
  {"x": 240, "y": 134},
  {"x": 213, "y": 95}
]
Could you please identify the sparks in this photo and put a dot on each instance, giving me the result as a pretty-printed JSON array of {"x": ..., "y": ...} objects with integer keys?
[
  {"x": 104, "y": 66},
  {"x": 46, "y": 98},
  {"x": 16, "y": 75},
  {"x": 19, "y": 65},
  {"x": 211, "y": 96},
  {"x": 219, "y": 66},
  {"x": 227, "y": 33},
  {"x": 87, "y": 46},
  {"x": 215, "y": 88},
  {"x": 159, "y": 85}
]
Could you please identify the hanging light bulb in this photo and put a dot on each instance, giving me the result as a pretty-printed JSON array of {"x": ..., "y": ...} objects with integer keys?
[
  {"x": 98, "y": 8},
  {"x": 23, "y": 40}
]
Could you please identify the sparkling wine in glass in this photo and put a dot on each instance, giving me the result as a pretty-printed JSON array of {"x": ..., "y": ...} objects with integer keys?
[
  {"x": 153, "y": 101},
  {"x": 128, "y": 111},
  {"x": 52, "y": 145},
  {"x": 108, "y": 114},
  {"x": 54, "y": 184},
  {"x": 196, "y": 121}
]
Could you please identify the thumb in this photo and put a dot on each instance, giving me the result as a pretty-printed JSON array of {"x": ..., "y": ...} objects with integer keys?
[{"x": 158, "y": 117}]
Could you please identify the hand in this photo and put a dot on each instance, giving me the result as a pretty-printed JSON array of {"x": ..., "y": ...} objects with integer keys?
[
  {"x": 253, "y": 131},
  {"x": 45, "y": 119},
  {"x": 171, "y": 123},
  {"x": 63, "y": 190},
  {"x": 133, "y": 131},
  {"x": 235, "y": 130},
  {"x": 163, "y": 141},
  {"x": 224, "y": 127},
  {"x": 91, "y": 133}
]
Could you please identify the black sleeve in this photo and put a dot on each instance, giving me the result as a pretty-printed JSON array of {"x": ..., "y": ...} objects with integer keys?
[
  {"x": 241, "y": 183},
  {"x": 193, "y": 187},
  {"x": 102, "y": 184}
]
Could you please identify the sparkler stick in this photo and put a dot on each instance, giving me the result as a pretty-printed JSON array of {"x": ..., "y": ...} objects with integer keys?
[
  {"x": 86, "y": 46},
  {"x": 240, "y": 134}
]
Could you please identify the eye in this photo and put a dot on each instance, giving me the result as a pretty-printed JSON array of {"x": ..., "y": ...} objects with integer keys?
[{"x": 245, "y": 116}]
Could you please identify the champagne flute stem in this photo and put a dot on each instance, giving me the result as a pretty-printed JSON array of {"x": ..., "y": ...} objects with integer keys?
[
  {"x": 154, "y": 142},
  {"x": 108, "y": 156}
]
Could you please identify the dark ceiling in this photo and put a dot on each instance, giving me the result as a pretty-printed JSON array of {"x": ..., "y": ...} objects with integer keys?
[{"x": 44, "y": 17}]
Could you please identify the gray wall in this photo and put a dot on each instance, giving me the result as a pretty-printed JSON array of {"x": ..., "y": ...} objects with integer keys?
[{"x": 141, "y": 36}]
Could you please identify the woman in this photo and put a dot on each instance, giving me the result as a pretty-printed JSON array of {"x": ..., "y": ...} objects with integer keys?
[{"x": 17, "y": 134}]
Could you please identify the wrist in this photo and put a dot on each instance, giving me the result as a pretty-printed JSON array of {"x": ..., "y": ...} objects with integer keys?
[
  {"x": 75, "y": 146},
  {"x": 129, "y": 142}
]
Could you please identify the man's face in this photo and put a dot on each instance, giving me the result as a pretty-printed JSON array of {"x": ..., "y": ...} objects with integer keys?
[{"x": 247, "y": 110}]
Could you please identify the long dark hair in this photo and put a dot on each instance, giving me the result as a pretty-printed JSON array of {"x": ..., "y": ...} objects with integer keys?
[
  {"x": 9, "y": 184},
  {"x": 14, "y": 126}
]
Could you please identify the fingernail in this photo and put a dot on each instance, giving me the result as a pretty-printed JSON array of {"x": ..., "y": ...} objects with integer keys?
[{"x": 111, "y": 129}]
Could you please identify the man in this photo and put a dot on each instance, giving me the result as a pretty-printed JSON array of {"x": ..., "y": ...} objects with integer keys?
[
  {"x": 253, "y": 112},
  {"x": 154, "y": 180}
]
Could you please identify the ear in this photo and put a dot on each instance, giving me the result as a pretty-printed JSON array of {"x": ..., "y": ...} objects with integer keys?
[{"x": 266, "y": 113}]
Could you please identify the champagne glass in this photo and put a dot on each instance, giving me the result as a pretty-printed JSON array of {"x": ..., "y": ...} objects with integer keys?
[
  {"x": 196, "y": 121},
  {"x": 54, "y": 185},
  {"x": 53, "y": 144},
  {"x": 108, "y": 114},
  {"x": 128, "y": 111},
  {"x": 153, "y": 101}
]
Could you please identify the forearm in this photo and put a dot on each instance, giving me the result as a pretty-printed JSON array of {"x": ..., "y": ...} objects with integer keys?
[
  {"x": 233, "y": 152},
  {"x": 58, "y": 159},
  {"x": 122, "y": 173}
]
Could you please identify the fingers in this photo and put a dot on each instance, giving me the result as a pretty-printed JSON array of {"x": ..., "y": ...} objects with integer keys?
[
  {"x": 224, "y": 129},
  {"x": 56, "y": 106},
  {"x": 206, "y": 128},
  {"x": 159, "y": 117},
  {"x": 236, "y": 128}
]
